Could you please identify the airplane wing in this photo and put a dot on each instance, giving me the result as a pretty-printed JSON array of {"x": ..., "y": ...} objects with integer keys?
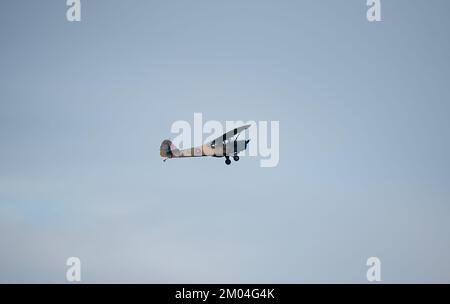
[{"x": 230, "y": 134}]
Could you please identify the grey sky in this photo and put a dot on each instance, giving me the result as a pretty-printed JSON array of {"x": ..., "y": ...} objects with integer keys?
[{"x": 364, "y": 126}]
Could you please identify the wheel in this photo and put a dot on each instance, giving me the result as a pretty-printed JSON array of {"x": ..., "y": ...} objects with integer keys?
[
  {"x": 236, "y": 158},
  {"x": 228, "y": 161}
]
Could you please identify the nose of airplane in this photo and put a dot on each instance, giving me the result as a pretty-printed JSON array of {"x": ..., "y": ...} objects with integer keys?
[{"x": 246, "y": 143}]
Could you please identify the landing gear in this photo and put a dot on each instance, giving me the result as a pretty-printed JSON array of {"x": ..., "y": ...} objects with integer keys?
[
  {"x": 236, "y": 158},
  {"x": 227, "y": 160}
]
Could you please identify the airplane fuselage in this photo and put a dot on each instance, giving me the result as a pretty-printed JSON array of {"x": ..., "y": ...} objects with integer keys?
[{"x": 220, "y": 150}]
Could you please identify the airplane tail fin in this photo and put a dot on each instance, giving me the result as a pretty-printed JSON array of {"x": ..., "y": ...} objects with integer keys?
[{"x": 168, "y": 149}]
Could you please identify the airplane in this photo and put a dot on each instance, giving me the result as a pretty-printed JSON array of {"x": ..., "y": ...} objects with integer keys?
[{"x": 222, "y": 146}]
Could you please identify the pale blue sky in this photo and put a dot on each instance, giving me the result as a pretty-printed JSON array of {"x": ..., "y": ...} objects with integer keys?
[{"x": 364, "y": 126}]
